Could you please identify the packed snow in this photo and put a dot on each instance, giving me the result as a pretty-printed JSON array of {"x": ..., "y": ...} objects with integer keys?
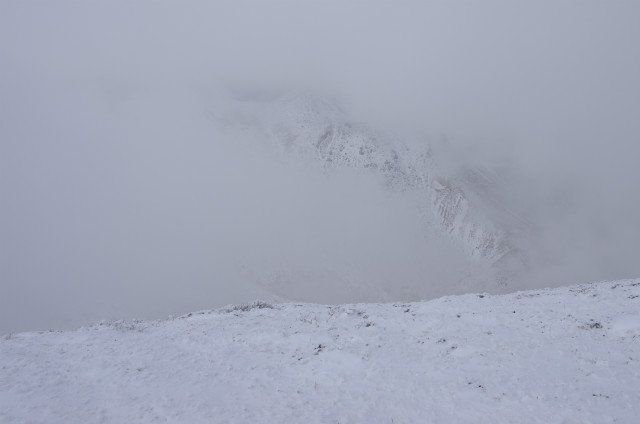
[{"x": 565, "y": 355}]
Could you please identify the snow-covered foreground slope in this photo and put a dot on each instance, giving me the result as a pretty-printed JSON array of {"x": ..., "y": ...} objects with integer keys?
[{"x": 567, "y": 355}]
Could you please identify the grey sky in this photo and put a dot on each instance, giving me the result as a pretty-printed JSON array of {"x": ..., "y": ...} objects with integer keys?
[{"x": 111, "y": 175}]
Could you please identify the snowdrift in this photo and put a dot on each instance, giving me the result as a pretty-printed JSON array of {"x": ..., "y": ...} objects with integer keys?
[{"x": 566, "y": 355}]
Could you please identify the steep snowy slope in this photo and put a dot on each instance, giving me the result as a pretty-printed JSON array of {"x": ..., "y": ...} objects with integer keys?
[
  {"x": 567, "y": 355},
  {"x": 469, "y": 205}
]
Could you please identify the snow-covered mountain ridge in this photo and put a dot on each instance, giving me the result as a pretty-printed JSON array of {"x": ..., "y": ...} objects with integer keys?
[
  {"x": 565, "y": 355},
  {"x": 470, "y": 206}
]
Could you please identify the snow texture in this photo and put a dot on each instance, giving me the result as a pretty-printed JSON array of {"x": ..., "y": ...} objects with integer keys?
[{"x": 566, "y": 355}]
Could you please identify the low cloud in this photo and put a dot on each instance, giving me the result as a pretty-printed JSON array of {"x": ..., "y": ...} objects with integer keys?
[{"x": 121, "y": 197}]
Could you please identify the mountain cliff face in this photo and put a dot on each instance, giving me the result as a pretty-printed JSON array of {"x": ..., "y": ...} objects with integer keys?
[{"x": 469, "y": 205}]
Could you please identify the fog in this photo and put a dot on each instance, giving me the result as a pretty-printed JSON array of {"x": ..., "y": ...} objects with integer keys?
[{"x": 120, "y": 197}]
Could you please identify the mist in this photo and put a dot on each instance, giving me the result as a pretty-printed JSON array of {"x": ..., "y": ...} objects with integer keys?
[{"x": 122, "y": 197}]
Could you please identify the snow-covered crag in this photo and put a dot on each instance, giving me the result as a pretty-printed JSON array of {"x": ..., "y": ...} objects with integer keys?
[
  {"x": 565, "y": 355},
  {"x": 470, "y": 205}
]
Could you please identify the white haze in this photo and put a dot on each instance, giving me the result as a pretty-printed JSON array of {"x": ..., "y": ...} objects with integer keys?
[{"x": 119, "y": 197}]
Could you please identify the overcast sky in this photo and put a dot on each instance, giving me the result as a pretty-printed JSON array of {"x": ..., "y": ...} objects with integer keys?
[{"x": 111, "y": 176}]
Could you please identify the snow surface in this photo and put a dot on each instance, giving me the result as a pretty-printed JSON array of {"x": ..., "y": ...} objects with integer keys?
[{"x": 566, "y": 355}]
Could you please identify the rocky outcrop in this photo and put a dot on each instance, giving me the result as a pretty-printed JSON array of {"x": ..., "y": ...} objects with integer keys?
[{"x": 468, "y": 206}]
